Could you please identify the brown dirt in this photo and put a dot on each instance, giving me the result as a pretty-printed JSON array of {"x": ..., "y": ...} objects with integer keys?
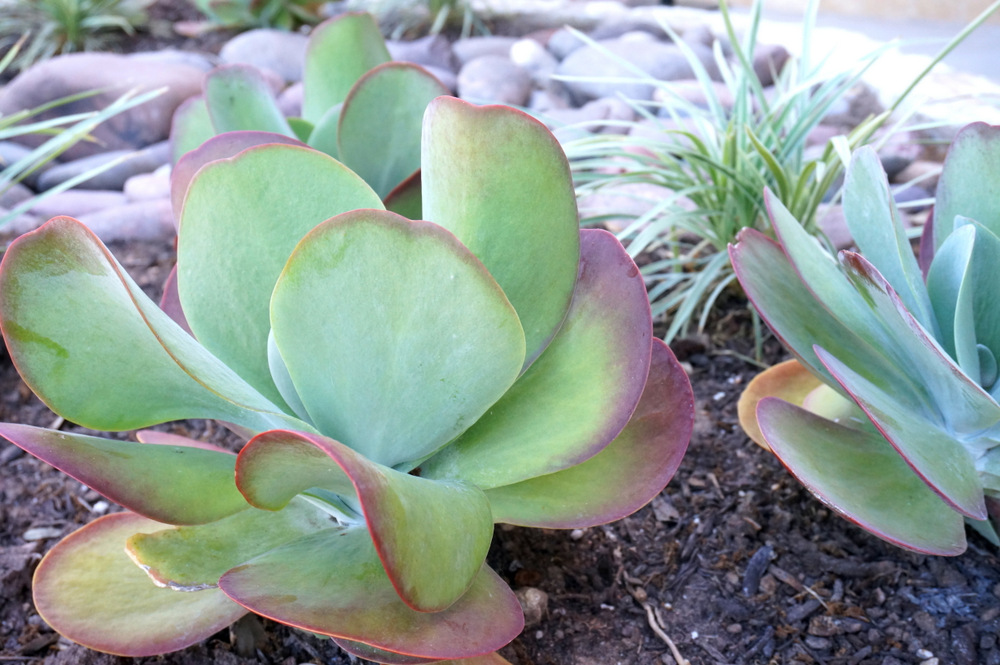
[{"x": 734, "y": 560}]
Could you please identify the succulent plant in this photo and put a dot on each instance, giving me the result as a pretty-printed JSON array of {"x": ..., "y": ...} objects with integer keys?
[
  {"x": 402, "y": 386},
  {"x": 888, "y": 412},
  {"x": 358, "y": 107}
]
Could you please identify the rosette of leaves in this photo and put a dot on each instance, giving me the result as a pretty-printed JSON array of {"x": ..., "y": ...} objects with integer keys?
[
  {"x": 403, "y": 385},
  {"x": 888, "y": 412},
  {"x": 358, "y": 106}
]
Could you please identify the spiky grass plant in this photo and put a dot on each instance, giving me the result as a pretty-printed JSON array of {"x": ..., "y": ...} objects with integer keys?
[{"x": 713, "y": 162}]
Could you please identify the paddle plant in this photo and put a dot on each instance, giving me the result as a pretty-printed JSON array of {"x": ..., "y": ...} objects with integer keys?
[
  {"x": 889, "y": 411},
  {"x": 358, "y": 107},
  {"x": 401, "y": 387}
]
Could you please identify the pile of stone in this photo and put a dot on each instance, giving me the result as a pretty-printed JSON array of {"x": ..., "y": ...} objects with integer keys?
[{"x": 566, "y": 79}]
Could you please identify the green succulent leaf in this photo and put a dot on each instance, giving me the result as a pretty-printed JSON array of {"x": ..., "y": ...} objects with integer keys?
[
  {"x": 193, "y": 558},
  {"x": 432, "y": 536},
  {"x": 861, "y": 477},
  {"x": 406, "y": 199},
  {"x": 951, "y": 289},
  {"x": 156, "y": 481},
  {"x": 579, "y": 394},
  {"x": 380, "y": 123},
  {"x": 945, "y": 393},
  {"x": 190, "y": 127},
  {"x": 70, "y": 310},
  {"x": 239, "y": 98},
  {"x": 499, "y": 180},
  {"x": 89, "y": 590},
  {"x": 340, "y": 51},
  {"x": 968, "y": 185},
  {"x": 932, "y": 451},
  {"x": 874, "y": 222},
  {"x": 624, "y": 476},
  {"x": 788, "y": 306},
  {"x": 293, "y": 584},
  {"x": 323, "y": 136},
  {"x": 242, "y": 218},
  {"x": 395, "y": 336},
  {"x": 390, "y": 658},
  {"x": 984, "y": 284},
  {"x": 213, "y": 149}
]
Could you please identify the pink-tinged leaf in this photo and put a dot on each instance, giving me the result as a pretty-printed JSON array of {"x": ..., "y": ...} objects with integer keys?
[
  {"x": 795, "y": 384},
  {"x": 99, "y": 352},
  {"x": 395, "y": 336},
  {"x": 920, "y": 438},
  {"x": 431, "y": 536},
  {"x": 89, "y": 590},
  {"x": 168, "y": 483},
  {"x": 167, "y": 439},
  {"x": 190, "y": 558},
  {"x": 219, "y": 147},
  {"x": 170, "y": 302},
  {"x": 861, "y": 477},
  {"x": 579, "y": 394},
  {"x": 405, "y": 199},
  {"x": 623, "y": 477},
  {"x": 333, "y": 583},
  {"x": 794, "y": 314},
  {"x": 499, "y": 180}
]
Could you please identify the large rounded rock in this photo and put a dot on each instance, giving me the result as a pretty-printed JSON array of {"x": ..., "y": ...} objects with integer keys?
[
  {"x": 113, "y": 75},
  {"x": 494, "y": 78},
  {"x": 433, "y": 51},
  {"x": 131, "y": 163},
  {"x": 596, "y": 71},
  {"x": 278, "y": 51}
]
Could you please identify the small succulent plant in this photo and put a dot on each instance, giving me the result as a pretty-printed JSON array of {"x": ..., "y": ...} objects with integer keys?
[
  {"x": 402, "y": 387},
  {"x": 889, "y": 412},
  {"x": 358, "y": 106}
]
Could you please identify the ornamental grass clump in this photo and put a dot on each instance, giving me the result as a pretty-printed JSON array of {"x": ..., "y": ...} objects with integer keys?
[
  {"x": 358, "y": 106},
  {"x": 889, "y": 411},
  {"x": 402, "y": 387}
]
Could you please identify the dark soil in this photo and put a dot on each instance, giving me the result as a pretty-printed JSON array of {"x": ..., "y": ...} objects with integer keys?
[{"x": 733, "y": 563}]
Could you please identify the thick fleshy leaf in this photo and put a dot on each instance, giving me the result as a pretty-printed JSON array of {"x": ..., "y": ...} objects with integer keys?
[
  {"x": 239, "y": 99},
  {"x": 193, "y": 558},
  {"x": 432, "y": 536},
  {"x": 623, "y": 477},
  {"x": 89, "y": 590},
  {"x": 406, "y": 199},
  {"x": 934, "y": 453},
  {"x": 157, "y": 437},
  {"x": 968, "y": 185},
  {"x": 70, "y": 311},
  {"x": 395, "y": 336},
  {"x": 173, "y": 484},
  {"x": 579, "y": 394},
  {"x": 332, "y": 583},
  {"x": 191, "y": 126},
  {"x": 242, "y": 217},
  {"x": 499, "y": 180},
  {"x": 170, "y": 302},
  {"x": 861, "y": 477},
  {"x": 214, "y": 149},
  {"x": 792, "y": 382},
  {"x": 793, "y": 313},
  {"x": 950, "y": 284},
  {"x": 947, "y": 394},
  {"x": 340, "y": 51},
  {"x": 873, "y": 219},
  {"x": 323, "y": 136},
  {"x": 380, "y": 124},
  {"x": 984, "y": 285}
]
